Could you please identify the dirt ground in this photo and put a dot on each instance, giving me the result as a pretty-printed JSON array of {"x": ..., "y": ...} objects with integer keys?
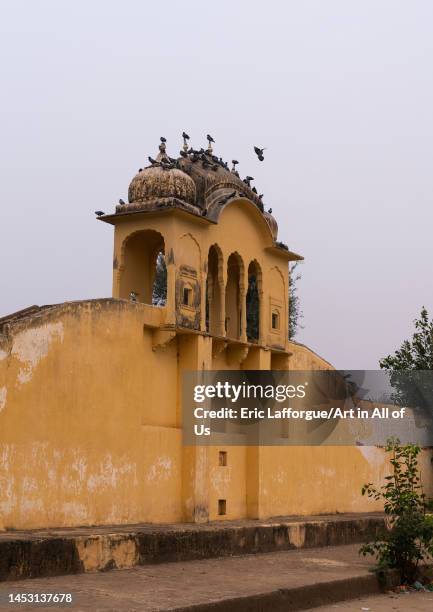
[{"x": 411, "y": 602}]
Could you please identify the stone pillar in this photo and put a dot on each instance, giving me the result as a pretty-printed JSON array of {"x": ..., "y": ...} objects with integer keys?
[
  {"x": 206, "y": 297},
  {"x": 171, "y": 287},
  {"x": 243, "y": 286},
  {"x": 262, "y": 319}
]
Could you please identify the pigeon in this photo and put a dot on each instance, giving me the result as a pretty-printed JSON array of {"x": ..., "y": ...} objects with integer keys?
[
  {"x": 209, "y": 138},
  {"x": 254, "y": 190},
  {"x": 248, "y": 180},
  {"x": 185, "y": 136},
  {"x": 133, "y": 296},
  {"x": 260, "y": 196},
  {"x": 259, "y": 153},
  {"x": 270, "y": 211},
  {"x": 99, "y": 213},
  {"x": 122, "y": 202},
  {"x": 140, "y": 169},
  {"x": 162, "y": 139},
  {"x": 153, "y": 161}
]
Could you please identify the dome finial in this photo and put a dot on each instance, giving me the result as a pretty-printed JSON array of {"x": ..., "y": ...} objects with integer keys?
[
  {"x": 185, "y": 141},
  {"x": 162, "y": 155}
]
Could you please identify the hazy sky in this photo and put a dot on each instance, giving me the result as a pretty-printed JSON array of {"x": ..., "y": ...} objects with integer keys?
[{"x": 340, "y": 92}]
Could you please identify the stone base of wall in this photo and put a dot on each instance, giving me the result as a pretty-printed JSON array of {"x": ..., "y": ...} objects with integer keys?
[{"x": 71, "y": 551}]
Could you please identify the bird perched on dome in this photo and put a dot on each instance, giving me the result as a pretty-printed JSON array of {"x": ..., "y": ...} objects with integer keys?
[
  {"x": 234, "y": 162},
  {"x": 259, "y": 153},
  {"x": 185, "y": 136},
  {"x": 210, "y": 141},
  {"x": 162, "y": 139},
  {"x": 248, "y": 180},
  {"x": 121, "y": 202}
]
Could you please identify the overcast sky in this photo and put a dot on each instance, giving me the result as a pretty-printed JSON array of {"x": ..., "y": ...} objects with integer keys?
[{"x": 340, "y": 92}]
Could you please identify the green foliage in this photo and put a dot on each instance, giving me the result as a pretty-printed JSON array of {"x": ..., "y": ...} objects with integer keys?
[
  {"x": 415, "y": 354},
  {"x": 411, "y": 383},
  {"x": 409, "y": 537},
  {"x": 295, "y": 312}
]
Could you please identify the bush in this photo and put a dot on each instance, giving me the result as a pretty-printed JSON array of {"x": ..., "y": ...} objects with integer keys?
[{"x": 409, "y": 537}]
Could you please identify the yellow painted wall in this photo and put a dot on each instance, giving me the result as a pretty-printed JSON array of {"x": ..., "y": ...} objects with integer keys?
[{"x": 82, "y": 441}]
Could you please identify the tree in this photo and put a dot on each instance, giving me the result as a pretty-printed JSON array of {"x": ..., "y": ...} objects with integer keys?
[
  {"x": 409, "y": 538},
  {"x": 415, "y": 354},
  {"x": 295, "y": 312},
  {"x": 411, "y": 383}
]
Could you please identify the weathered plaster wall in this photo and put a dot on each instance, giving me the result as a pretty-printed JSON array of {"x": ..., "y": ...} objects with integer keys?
[{"x": 83, "y": 438}]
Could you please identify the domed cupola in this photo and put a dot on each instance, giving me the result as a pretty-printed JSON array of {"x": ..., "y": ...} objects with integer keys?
[
  {"x": 161, "y": 183},
  {"x": 272, "y": 222}
]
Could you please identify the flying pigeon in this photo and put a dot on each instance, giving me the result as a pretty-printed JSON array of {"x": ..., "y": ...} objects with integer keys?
[
  {"x": 99, "y": 213},
  {"x": 259, "y": 153}
]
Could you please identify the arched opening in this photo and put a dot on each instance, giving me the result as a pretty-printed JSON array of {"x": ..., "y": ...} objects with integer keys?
[
  {"x": 253, "y": 302},
  {"x": 213, "y": 291},
  {"x": 144, "y": 275},
  {"x": 233, "y": 296}
]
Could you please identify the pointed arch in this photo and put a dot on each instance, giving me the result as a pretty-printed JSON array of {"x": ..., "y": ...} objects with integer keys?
[
  {"x": 140, "y": 255},
  {"x": 215, "y": 291}
]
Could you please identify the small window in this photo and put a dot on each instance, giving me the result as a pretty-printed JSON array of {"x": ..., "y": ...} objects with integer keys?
[
  {"x": 275, "y": 320},
  {"x": 187, "y": 296},
  {"x": 222, "y": 507},
  {"x": 222, "y": 458}
]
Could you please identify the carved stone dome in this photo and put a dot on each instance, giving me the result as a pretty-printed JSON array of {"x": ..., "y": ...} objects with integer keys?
[
  {"x": 271, "y": 221},
  {"x": 157, "y": 183}
]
